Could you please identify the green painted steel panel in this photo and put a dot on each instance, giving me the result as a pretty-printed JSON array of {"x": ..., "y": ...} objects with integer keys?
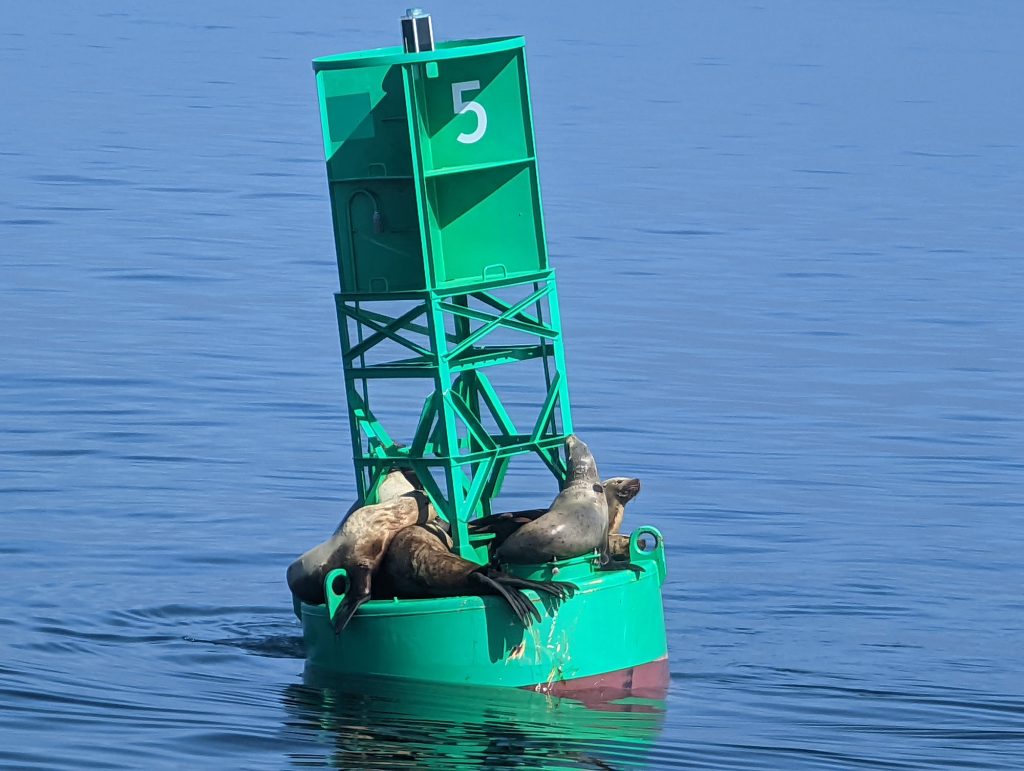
[
  {"x": 487, "y": 229},
  {"x": 473, "y": 112},
  {"x": 428, "y": 157}
]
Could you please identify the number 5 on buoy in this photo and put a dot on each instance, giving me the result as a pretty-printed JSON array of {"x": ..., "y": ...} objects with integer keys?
[{"x": 470, "y": 106}]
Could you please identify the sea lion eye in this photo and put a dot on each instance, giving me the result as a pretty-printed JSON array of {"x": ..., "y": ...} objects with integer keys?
[{"x": 598, "y": 488}]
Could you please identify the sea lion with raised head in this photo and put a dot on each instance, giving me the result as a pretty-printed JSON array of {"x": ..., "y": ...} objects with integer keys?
[
  {"x": 419, "y": 563},
  {"x": 618, "y": 491},
  {"x": 576, "y": 522},
  {"x": 358, "y": 546}
]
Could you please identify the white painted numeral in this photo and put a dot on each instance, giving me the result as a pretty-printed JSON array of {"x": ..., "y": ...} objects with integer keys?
[{"x": 470, "y": 106}]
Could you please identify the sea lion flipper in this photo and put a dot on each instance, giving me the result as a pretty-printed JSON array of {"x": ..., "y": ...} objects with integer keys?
[
  {"x": 514, "y": 585},
  {"x": 521, "y": 607},
  {"x": 345, "y": 612},
  {"x": 358, "y": 592},
  {"x": 562, "y": 590},
  {"x": 613, "y": 565}
]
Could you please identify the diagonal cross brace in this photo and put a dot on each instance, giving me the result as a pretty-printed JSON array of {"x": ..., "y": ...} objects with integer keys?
[
  {"x": 493, "y": 403},
  {"x": 367, "y": 422},
  {"x": 498, "y": 321},
  {"x": 421, "y": 329},
  {"x": 530, "y": 326},
  {"x": 500, "y": 305},
  {"x": 473, "y": 424},
  {"x": 548, "y": 409},
  {"x": 382, "y": 331}
]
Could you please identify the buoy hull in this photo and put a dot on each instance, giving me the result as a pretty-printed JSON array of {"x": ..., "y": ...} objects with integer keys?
[{"x": 600, "y": 638}]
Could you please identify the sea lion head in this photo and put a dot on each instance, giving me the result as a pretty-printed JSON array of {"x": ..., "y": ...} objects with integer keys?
[
  {"x": 624, "y": 489},
  {"x": 582, "y": 466},
  {"x": 618, "y": 492}
]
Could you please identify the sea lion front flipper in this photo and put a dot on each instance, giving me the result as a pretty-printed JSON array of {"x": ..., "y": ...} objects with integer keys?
[{"x": 358, "y": 592}]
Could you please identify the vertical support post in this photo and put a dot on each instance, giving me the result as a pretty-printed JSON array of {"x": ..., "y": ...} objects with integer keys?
[{"x": 450, "y": 443}]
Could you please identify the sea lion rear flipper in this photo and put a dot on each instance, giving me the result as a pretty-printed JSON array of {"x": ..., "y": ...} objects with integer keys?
[
  {"x": 484, "y": 524},
  {"x": 521, "y": 606},
  {"x": 562, "y": 590},
  {"x": 503, "y": 525}
]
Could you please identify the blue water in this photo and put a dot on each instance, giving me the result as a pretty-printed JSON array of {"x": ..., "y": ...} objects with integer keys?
[{"x": 789, "y": 239}]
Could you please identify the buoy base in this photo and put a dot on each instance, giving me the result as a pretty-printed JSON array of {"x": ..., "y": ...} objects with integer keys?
[{"x": 601, "y": 638}]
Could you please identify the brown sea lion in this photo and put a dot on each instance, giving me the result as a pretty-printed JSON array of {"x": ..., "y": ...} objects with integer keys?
[
  {"x": 618, "y": 547},
  {"x": 619, "y": 491},
  {"x": 358, "y": 546},
  {"x": 397, "y": 482},
  {"x": 419, "y": 563}
]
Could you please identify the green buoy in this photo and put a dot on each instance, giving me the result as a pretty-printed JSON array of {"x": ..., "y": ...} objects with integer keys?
[{"x": 446, "y": 284}]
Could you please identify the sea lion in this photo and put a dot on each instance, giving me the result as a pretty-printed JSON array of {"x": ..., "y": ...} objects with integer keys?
[
  {"x": 398, "y": 481},
  {"x": 618, "y": 547},
  {"x": 618, "y": 491},
  {"x": 306, "y": 575},
  {"x": 504, "y": 524},
  {"x": 576, "y": 522},
  {"x": 358, "y": 546},
  {"x": 419, "y": 563}
]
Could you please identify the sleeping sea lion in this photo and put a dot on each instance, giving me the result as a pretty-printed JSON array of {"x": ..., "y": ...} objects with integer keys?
[
  {"x": 576, "y": 523},
  {"x": 419, "y": 563},
  {"x": 358, "y": 545}
]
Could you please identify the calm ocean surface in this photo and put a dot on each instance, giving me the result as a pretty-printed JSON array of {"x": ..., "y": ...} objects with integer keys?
[{"x": 790, "y": 241}]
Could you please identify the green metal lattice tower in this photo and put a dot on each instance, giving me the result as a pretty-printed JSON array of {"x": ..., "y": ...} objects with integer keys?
[{"x": 444, "y": 270}]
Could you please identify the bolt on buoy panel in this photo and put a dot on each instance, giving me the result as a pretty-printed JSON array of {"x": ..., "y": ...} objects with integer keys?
[{"x": 441, "y": 252}]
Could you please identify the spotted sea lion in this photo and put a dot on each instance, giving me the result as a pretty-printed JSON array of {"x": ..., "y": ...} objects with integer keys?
[
  {"x": 358, "y": 546},
  {"x": 576, "y": 522},
  {"x": 419, "y": 563},
  {"x": 618, "y": 491}
]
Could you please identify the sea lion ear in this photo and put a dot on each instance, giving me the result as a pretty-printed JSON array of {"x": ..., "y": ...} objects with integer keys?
[{"x": 598, "y": 488}]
